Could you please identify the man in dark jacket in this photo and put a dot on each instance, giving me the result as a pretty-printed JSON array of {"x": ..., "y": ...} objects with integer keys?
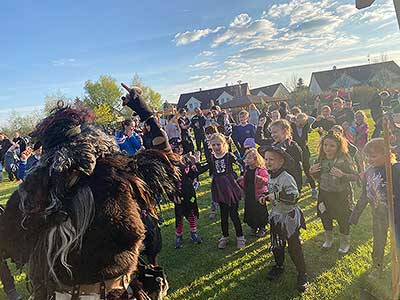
[{"x": 198, "y": 123}]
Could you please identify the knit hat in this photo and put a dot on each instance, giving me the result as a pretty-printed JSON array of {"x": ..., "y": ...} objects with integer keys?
[{"x": 249, "y": 143}]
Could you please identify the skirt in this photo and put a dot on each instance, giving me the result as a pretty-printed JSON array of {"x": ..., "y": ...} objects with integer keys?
[{"x": 225, "y": 189}]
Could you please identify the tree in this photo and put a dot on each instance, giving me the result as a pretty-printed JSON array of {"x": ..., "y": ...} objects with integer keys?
[
  {"x": 104, "y": 97},
  {"x": 300, "y": 84},
  {"x": 51, "y": 101},
  {"x": 24, "y": 124},
  {"x": 291, "y": 83},
  {"x": 152, "y": 97}
]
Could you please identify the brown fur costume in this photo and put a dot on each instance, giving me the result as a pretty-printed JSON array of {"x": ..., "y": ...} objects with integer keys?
[{"x": 76, "y": 218}]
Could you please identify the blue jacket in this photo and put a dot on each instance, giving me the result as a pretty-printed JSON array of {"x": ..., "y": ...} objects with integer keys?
[
  {"x": 26, "y": 165},
  {"x": 131, "y": 144}
]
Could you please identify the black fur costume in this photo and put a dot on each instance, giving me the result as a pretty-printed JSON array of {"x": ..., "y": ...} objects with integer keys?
[{"x": 76, "y": 219}]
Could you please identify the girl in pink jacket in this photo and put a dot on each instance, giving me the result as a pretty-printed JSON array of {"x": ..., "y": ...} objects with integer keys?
[{"x": 254, "y": 183}]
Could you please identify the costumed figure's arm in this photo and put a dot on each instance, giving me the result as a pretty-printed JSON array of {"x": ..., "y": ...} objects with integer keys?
[
  {"x": 137, "y": 103},
  {"x": 289, "y": 193}
]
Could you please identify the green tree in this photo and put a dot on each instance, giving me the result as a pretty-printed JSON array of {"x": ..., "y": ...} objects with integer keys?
[
  {"x": 51, "y": 101},
  {"x": 104, "y": 95},
  {"x": 152, "y": 97},
  {"x": 24, "y": 124}
]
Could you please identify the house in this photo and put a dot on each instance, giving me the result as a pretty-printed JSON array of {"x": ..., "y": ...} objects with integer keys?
[
  {"x": 385, "y": 74},
  {"x": 206, "y": 98},
  {"x": 244, "y": 101},
  {"x": 277, "y": 90}
]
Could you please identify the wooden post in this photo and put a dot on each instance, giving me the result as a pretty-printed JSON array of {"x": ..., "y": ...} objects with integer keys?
[
  {"x": 389, "y": 189},
  {"x": 397, "y": 8}
]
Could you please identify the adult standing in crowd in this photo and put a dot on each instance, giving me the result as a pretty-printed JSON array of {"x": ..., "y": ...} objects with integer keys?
[
  {"x": 341, "y": 113},
  {"x": 375, "y": 106},
  {"x": 254, "y": 114},
  {"x": 128, "y": 140},
  {"x": 198, "y": 123},
  {"x": 283, "y": 109},
  {"x": 184, "y": 125},
  {"x": 5, "y": 144},
  {"x": 172, "y": 127},
  {"x": 325, "y": 121},
  {"x": 265, "y": 115},
  {"x": 18, "y": 139}
]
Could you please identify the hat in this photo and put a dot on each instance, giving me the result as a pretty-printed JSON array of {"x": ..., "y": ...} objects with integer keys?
[
  {"x": 249, "y": 143},
  {"x": 288, "y": 159}
]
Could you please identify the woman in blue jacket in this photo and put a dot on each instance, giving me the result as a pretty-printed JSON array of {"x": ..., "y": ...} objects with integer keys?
[{"x": 128, "y": 140}]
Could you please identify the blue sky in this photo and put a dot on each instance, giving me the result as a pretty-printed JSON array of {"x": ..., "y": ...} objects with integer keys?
[{"x": 179, "y": 46}]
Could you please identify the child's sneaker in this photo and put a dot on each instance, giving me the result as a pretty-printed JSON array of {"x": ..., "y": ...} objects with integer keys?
[
  {"x": 328, "y": 240},
  {"x": 178, "y": 241},
  {"x": 302, "y": 282},
  {"x": 222, "y": 242},
  {"x": 344, "y": 243},
  {"x": 240, "y": 242},
  {"x": 196, "y": 239},
  {"x": 275, "y": 272}
]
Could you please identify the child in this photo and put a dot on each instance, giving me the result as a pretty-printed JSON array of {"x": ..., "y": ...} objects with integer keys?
[
  {"x": 243, "y": 131},
  {"x": 361, "y": 128},
  {"x": 281, "y": 133},
  {"x": 301, "y": 128},
  {"x": 186, "y": 205},
  {"x": 374, "y": 192},
  {"x": 254, "y": 182},
  {"x": 349, "y": 132},
  {"x": 334, "y": 171},
  {"x": 225, "y": 190},
  {"x": 286, "y": 218}
]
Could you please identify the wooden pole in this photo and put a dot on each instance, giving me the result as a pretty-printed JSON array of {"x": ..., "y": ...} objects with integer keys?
[
  {"x": 389, "y": 190},
  {"x": 397, "y": 8}
]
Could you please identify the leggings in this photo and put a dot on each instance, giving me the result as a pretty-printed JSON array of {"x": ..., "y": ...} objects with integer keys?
[
  {"x": 334, "y": 205},
  {"x": 294, "y": 248},
  {"x": 179, "y": 224},
  {"x": 231, "y": 211},
  {"x": 380, "y": 225}
]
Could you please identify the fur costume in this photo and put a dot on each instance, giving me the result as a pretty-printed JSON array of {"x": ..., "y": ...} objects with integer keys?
[{"x": 76, "y": 219}]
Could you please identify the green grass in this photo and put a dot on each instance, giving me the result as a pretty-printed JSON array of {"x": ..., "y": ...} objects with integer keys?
[{"x": 200, "y": 272}]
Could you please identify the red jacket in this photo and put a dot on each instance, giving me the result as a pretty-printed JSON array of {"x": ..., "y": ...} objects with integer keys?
[{"x": 260, "y": 182}]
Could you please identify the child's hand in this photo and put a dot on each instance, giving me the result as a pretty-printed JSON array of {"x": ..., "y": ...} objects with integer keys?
[
  {"x": 336, "y": 172},
  {"x": 270, "y": 198},
  {"x": 315, "y": 168},
  {"x": 26, "y": 154},
  {"x": 262, "y": 121},
  {"x": 197, "y": 156}
]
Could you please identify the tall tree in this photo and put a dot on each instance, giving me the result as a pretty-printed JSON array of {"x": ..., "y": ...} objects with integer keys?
[
  {"x": 24, "y": 124},
  {"x": 51, "y": 101},
  {"x": 152, "y": 97},
  {"x": 104, "y": 95}
]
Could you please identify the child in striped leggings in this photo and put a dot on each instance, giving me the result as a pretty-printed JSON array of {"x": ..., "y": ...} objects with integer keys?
[{"x": 186, "y": 202}]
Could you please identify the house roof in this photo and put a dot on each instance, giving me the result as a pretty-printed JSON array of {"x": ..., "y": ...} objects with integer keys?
[
  {"x": 362, "y": 73},
  {"x": 268, "y": 90},
  {"x": 205, "y": 96},
  {"x": 246, "y": 100}
]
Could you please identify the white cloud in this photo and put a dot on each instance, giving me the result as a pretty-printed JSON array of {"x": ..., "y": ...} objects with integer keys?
[
  {"x": 244, "y": 31},
  {"x": 204, "y": 65},
  {"x": 207, "y": 53},
  {"x": 187, "y": 37},
  {"x": 63, "y": 62},
  {"x": 347, "y": 10},
  {"x": 200, "y": 78}
]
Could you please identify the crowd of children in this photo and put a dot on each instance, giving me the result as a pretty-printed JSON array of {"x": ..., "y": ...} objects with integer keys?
[{"x": 271, "y": 180}]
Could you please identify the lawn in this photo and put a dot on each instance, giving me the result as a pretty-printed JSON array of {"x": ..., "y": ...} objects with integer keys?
[{"x": 201, "y": 272}]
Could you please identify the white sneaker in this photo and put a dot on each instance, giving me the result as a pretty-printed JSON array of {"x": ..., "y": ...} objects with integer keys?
[
  {"x": 344, "y": 243},
  {"x": 328, "y": 240}
]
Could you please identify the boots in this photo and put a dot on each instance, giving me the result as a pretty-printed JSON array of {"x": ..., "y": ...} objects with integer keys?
[
  {"x": 222, "y": 242},
  {"x": 344, "y": 243},
  {"x": 240, "y": 242},
  {"x": 328, "y": 240}
]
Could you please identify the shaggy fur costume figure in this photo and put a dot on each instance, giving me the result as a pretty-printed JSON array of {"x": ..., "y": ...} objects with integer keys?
[{"x": 76, "y": 218}]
